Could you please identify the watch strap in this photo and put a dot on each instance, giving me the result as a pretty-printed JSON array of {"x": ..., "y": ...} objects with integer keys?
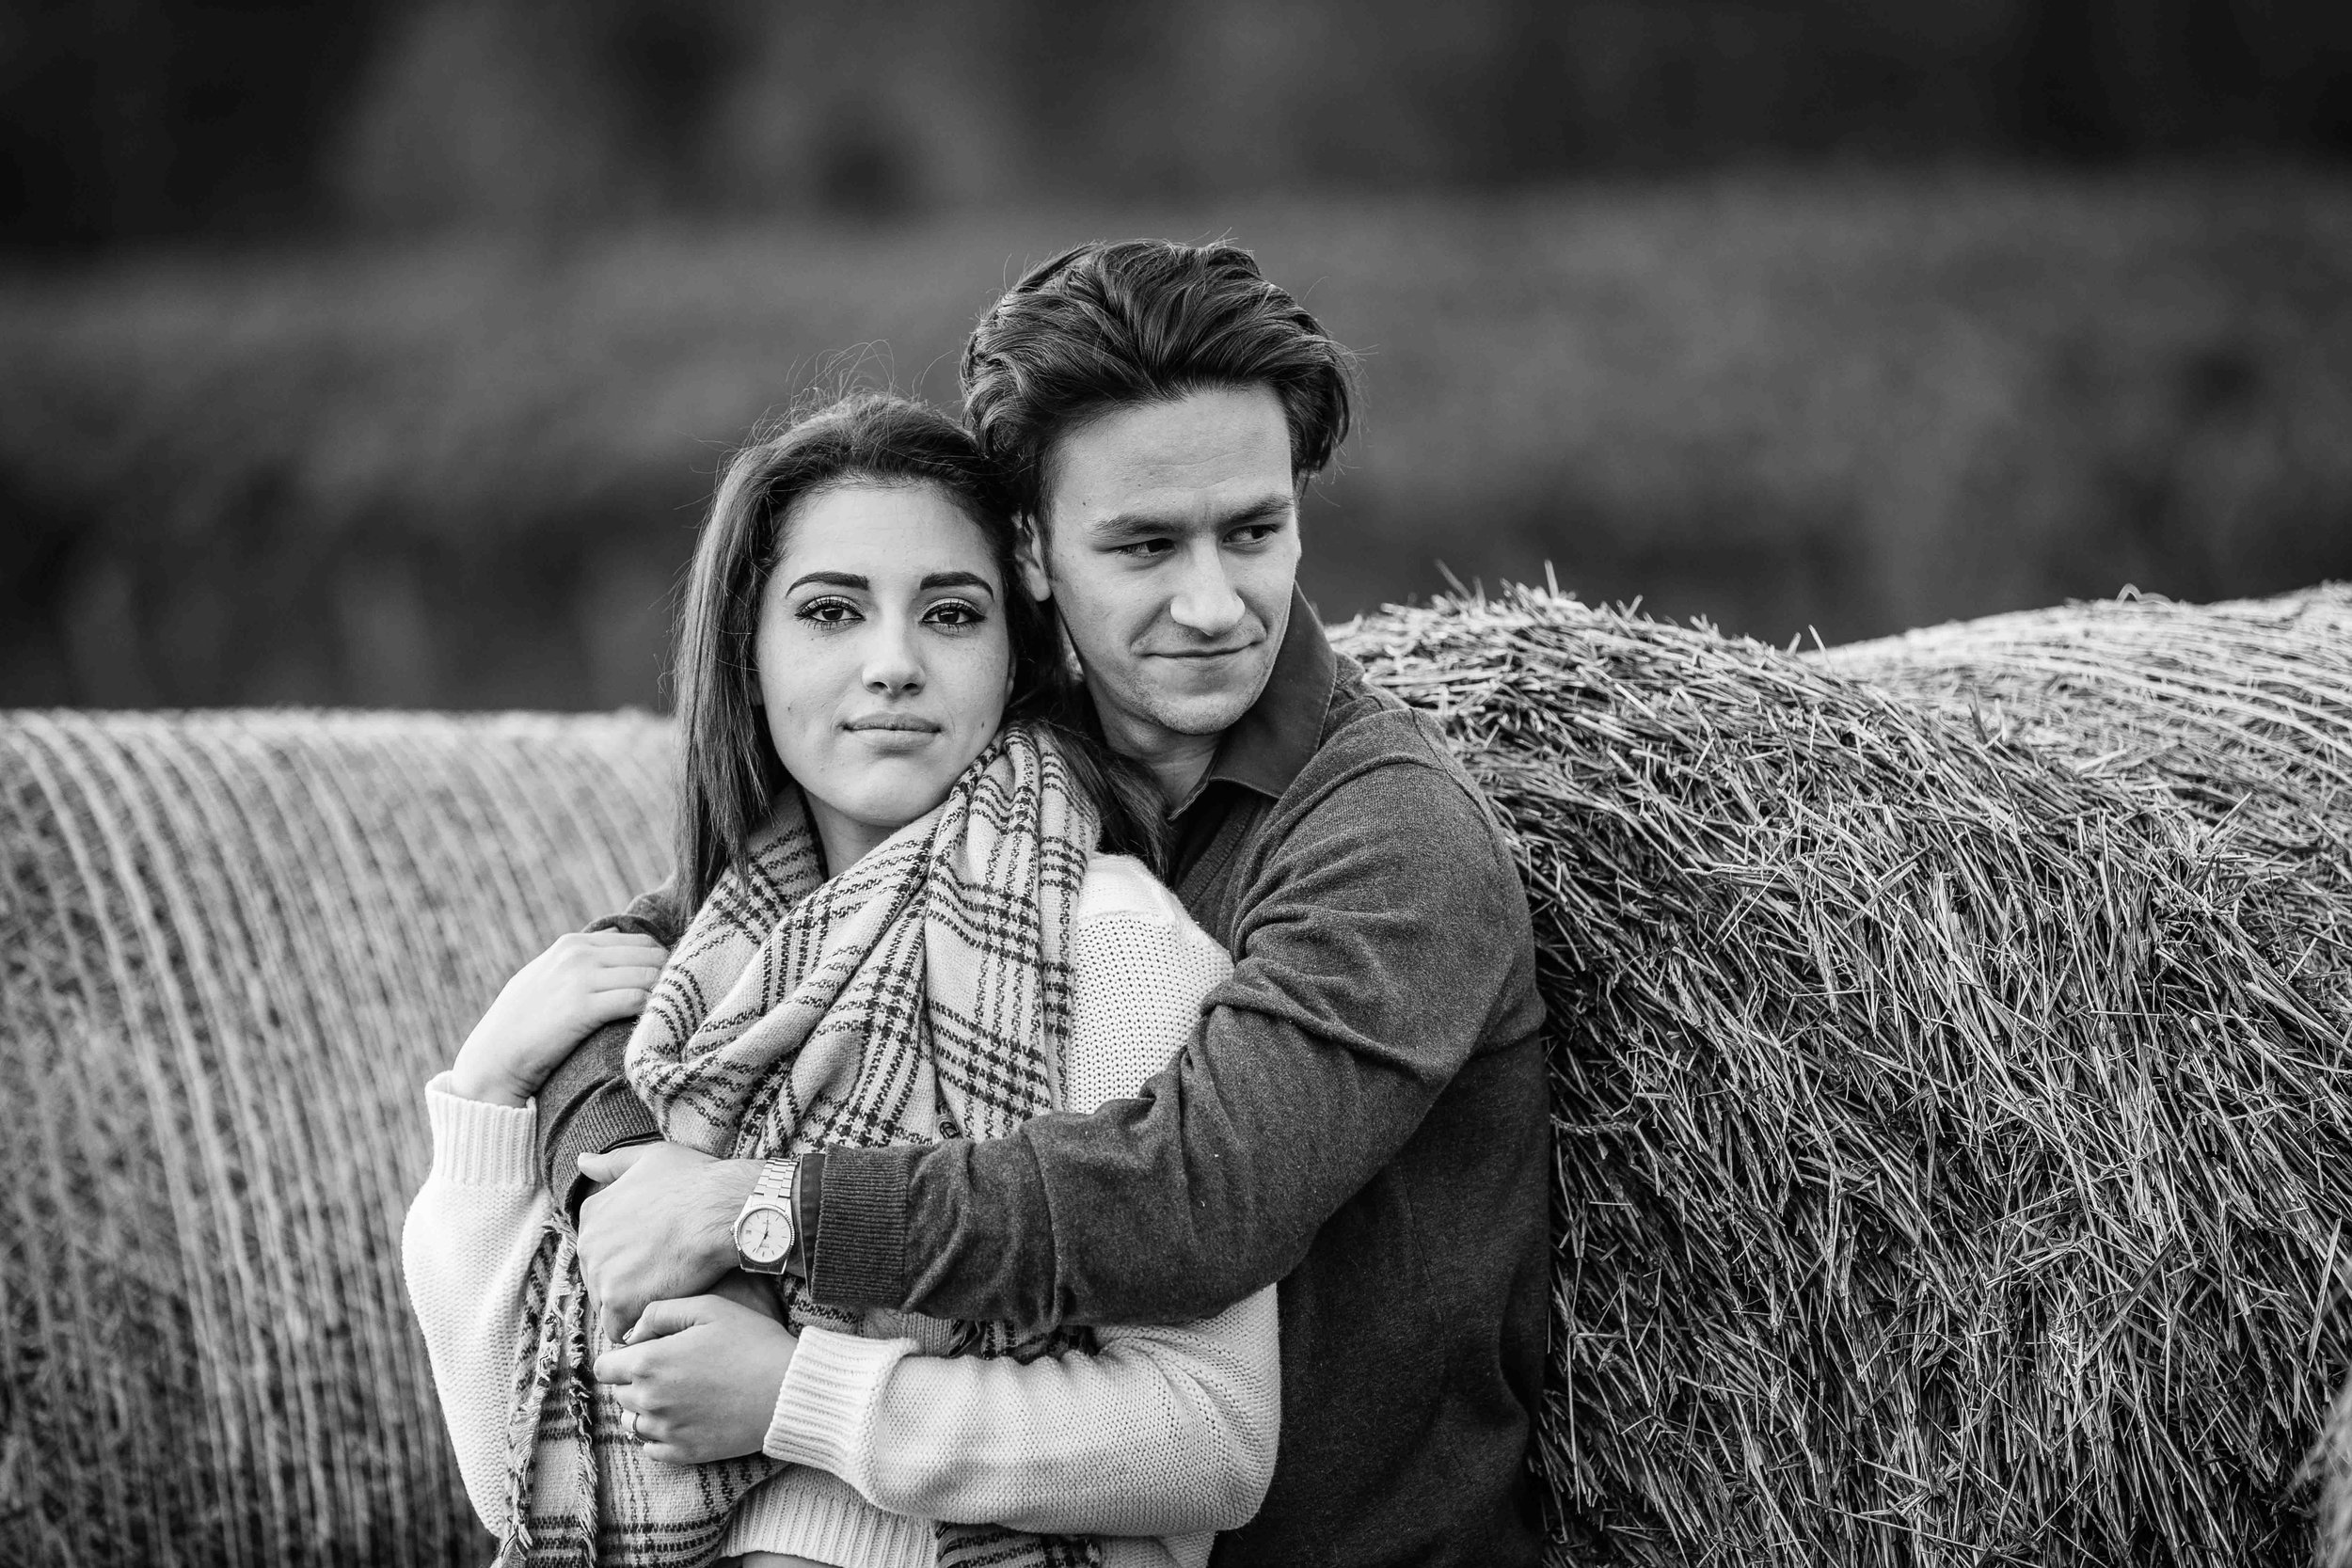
[{"x": 772, "y": 1191}]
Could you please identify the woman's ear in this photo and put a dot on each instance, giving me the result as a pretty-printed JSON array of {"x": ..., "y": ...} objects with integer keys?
[{"x": 1030, "y": 555}]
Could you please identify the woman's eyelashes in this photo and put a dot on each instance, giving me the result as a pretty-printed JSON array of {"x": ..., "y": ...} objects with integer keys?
[
  {"x": 947, "y": 615},
  {"x": 829, "y": 613},
  {"x": 956, "y": 614}
]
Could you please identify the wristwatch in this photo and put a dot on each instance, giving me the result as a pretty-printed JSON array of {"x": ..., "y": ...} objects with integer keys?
[{"x": 764, "y": 1230}]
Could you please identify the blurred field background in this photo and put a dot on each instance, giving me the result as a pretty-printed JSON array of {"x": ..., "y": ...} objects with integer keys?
[{"x": 383, "y": 353}]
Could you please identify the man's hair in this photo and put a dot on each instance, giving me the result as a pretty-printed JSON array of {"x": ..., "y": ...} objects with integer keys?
[{"x": 1103, "y": 326}]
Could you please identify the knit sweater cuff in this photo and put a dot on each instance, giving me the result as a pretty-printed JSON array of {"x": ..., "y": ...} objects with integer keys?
[
  {"x": 476, "y": 1144},
  {"x": 823, "y": 1409}
]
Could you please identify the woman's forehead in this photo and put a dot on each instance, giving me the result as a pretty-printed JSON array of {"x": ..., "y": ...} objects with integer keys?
[{"x": 893, "y": 530}]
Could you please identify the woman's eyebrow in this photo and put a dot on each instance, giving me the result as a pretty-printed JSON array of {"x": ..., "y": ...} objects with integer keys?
[
  {"x": 952, "y": 580},
  {"x": 830, "y": 579}
]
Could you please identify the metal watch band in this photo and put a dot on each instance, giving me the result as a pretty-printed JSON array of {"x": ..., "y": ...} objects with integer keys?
[{"x": 772, "y": 1191}]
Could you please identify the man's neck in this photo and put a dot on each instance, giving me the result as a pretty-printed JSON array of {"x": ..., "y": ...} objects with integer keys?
[
  {"x": 1178, "y": 766},
  {"x": 1177, "y": 763}
]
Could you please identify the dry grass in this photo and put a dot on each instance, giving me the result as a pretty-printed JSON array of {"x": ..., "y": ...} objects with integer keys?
[
  {"x": 231, "y": 949},
  {"x": 1949, "y": 1075}
]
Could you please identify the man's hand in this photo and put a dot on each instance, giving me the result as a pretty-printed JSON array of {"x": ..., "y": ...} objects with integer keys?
[
  {"x": 703, "y": 1376},
  {"x": 662, "y": 1228}
]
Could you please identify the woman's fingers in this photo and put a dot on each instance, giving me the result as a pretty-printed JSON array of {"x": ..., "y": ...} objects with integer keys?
[
  {"x": 604, "y": 1007},
  {"x": 618, "y": 1366},
  {"x": 664, "y": 1317},
  {"x": 616, "y": 941},
  {"x": 624, "y": 977}
]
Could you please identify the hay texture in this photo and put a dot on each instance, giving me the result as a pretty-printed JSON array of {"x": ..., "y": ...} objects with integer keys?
[
  {"x": 1950, "y": 1072},
  {"x": 232, "y": 947},
  {"x": 1949, "y": 1082}
]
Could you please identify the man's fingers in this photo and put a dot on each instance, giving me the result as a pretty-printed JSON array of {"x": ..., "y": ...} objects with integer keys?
[
  {"x": 610, "y": 1324},
  {"x": 609, "y": 1166}
]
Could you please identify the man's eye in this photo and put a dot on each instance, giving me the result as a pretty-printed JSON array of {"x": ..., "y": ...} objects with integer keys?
[
  {"x": 829, "y": 613},
  {"x": 1253, "y": 533},
  {"x": 1146, "y": 549}
]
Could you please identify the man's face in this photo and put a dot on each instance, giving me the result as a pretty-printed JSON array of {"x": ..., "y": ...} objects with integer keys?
[{"x": 1170, "y": 542}]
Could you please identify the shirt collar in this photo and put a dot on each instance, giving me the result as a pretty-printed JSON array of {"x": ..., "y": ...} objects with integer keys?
[{"x": 1270, "y": 743}]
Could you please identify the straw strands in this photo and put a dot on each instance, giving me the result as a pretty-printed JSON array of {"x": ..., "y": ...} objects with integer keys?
[
  {"x": 1949, "y": 1076},
  {"x": 232, "y": 947},
  {"x": 1951, "y": 1081}
]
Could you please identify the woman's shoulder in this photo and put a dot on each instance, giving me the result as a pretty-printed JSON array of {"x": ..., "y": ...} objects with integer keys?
[
  {"x": 1120, "y": 894},
  {"x": 1119, "y": 885},
  {"x": 1140, "y": 968}
]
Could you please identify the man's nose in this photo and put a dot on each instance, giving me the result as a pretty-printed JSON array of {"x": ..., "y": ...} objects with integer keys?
[
  {"x": 893, "y": 663},
  {"x": 1205, "y": 602}
]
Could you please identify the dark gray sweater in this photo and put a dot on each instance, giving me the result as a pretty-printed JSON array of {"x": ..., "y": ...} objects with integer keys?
[{"x": 1363, "y": 1119}]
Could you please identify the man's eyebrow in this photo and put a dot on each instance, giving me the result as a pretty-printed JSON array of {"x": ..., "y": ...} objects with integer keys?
[
  {"x": 956, "y": 580},
  {"x": 1148, "y": 522}
]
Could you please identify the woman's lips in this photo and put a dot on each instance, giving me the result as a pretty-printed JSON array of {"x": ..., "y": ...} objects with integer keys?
[
  {"x": 892, "y": 724},
  {"x": 893, "y": 735}
]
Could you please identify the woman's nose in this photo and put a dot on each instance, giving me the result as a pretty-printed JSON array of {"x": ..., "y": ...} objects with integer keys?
[{"x": 892, "y": 665}]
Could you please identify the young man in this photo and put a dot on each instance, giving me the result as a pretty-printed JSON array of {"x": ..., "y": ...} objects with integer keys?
[{"x": 1363, "y": 1118}]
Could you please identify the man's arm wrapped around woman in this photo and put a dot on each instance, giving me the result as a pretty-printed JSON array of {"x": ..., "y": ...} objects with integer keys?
[{"x": 1163, "y": 1437}]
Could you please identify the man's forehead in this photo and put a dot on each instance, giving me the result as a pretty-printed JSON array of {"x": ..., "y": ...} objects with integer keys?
[{"x": 1203, "y": 454}]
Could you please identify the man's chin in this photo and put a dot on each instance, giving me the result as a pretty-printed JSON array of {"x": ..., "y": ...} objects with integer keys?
[{"x": 1198, "y": 712}]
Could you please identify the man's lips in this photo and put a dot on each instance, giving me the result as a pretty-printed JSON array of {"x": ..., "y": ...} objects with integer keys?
[{"x": 1205, "y": 653}]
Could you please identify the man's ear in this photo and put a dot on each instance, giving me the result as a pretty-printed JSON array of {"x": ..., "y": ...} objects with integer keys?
[{"x": 1030, "y": 555}]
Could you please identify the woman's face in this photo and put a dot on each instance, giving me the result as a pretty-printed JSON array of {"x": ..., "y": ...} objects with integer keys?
[{"x": 884, "y": 657}]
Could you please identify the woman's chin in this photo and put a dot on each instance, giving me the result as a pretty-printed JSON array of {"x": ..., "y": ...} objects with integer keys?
[{"x": 888, "y": 804}]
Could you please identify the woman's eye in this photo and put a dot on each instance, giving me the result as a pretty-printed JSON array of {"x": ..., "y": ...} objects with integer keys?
[
  {"x": 955, "y": 613},
  {"x": 829, "y": 613}
]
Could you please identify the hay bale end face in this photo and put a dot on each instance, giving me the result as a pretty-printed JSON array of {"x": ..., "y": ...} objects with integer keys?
[
  {"x": 232, "y": 947},
  {"x": 1949, "y": 1079}
]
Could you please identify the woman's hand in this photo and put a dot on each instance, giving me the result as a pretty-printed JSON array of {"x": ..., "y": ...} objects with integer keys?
[
  {"x": 701, "y": 1375},
  {"x": 586, "y": 980}
]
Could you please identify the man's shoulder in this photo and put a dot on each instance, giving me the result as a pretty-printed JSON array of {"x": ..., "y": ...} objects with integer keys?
[{"x": 1379, "y": 754}]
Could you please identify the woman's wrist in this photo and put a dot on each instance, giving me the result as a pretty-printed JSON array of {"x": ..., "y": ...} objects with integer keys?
[{"x": 470, "y": 1081}]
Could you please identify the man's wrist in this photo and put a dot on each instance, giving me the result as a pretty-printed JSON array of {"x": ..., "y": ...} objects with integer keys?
[{"x": 726, "y": 1184}]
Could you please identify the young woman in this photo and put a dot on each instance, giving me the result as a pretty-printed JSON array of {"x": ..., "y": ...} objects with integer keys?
[{"x": 905, "y": 931}]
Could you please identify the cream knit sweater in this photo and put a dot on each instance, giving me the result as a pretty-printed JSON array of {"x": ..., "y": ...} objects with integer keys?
[{"x": 1161, "y": 1437}]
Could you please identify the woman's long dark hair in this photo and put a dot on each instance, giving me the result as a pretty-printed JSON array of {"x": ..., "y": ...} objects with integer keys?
[{"x": 730, "y": 777}]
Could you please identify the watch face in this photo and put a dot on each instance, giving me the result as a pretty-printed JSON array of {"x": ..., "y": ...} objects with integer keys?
[{"x": 763, "y": 1235}]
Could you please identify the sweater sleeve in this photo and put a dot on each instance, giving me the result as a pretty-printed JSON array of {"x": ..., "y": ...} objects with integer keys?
[
  {"x": 1375, "y": 949},
  {"x": 466, "y": 1247},
  {"x": 1163, "y": 1432}
]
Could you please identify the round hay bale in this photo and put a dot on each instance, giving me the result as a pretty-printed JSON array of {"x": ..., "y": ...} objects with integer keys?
[
  {"x": 232, "y": 946},
  {"x": 1949, "y": 1077}
]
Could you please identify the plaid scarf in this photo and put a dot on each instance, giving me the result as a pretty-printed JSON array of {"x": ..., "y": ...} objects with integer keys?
[{"x": 921, "y": 994}]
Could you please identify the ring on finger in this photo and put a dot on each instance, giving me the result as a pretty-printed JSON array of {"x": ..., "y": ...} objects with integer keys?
[{"x": 630, "y": 1422}]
